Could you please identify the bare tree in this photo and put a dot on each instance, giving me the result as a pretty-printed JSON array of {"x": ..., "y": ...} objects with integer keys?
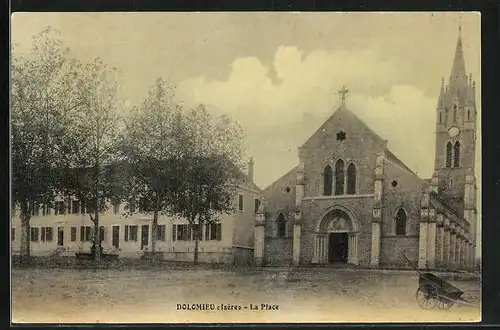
[{"x": 45, "y": 97}]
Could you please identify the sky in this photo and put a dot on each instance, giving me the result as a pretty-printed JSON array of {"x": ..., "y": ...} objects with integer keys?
[{"x": 278, "y": 74}]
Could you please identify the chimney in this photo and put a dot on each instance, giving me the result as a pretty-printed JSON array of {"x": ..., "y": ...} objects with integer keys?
[{"x": 250, "y": 170}]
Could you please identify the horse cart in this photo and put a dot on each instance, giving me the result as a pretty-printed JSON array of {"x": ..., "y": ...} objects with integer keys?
[{"x": 433, "y": 291}]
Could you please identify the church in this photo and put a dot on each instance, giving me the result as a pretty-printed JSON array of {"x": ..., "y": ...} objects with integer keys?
[{"x": 351, "y": 200}]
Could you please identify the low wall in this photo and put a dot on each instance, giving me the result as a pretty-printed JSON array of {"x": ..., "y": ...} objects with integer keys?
[{"x": 242, "y": 255}]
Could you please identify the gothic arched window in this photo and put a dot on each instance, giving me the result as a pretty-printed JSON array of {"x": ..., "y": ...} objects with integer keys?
[
  {"x": 468, "y": 114},
  {"x": 456, "y": 154},
  {"x": 455, "y": 113},
  {"x": 401, "y": 222},
  {"x": 448, "y": 154},
  {"x": 351, "y": 179},
  {"x": 327, "y": 180},
  {"x": 281, "y": 225},
  {"x": 440, "y": 118},
  {"x": 339, "y": 177}
]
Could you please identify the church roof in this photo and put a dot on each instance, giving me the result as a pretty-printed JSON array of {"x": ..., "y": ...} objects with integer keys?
[
  {"x": 343, "y": 111},
  {"x": 293, "y": 170},
  {"x": 250, "y": 184},
  {"x": 351, "y": 116},
  {"x": 392, "y": 157}
]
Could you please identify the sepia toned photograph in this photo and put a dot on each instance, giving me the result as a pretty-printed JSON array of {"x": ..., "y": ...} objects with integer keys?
[{"x": 257, "y": 167}]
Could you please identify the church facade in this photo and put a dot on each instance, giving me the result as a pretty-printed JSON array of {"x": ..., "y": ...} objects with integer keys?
[{"x": 351, "y": 200}]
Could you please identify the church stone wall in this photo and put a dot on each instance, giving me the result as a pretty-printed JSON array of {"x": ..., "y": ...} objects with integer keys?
[
  {"x": 406, "y": 194},
  {"x": 278, "y": 251},
  {"x": 359, "y": 207},
  {"x": 390, "y": 247},
  {"x": 280, "y": 197}
]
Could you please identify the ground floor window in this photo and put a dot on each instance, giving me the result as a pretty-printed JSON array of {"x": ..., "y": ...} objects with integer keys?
[
  {"x": 101, "y": 233},
  {"x": 131, "y": 233},
  {"x": 46, "y": 234},
  {"x": 183, "y": 232},
  {"x": 85, "y": 233},
  {"x": 34, "y": 233},
  {"x": 73, "y": 234},
  {"x": 213, "y": 231},
  {"x": 160, "y": 232}
]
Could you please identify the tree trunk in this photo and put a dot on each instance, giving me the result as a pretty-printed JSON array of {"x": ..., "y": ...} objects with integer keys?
[
  {"x": 97, "y": 241},
  {"x": 196, "y": 243},
  {"x": 25, "y": 217},
  {"x": 154, "y": 227}
]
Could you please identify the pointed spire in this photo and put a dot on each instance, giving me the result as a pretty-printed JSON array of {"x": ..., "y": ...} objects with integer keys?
[
  {"x": 458, "y": 78},
  {"x": 441, "y": 94}
]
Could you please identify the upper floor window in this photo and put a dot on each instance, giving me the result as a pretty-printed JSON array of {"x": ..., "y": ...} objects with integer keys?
[
  {"x": 256, "y": 205},
  {"x": 240, "y": 202},
  {"x": 455, "y": 113},
  {"x": 327, "y": 180},
  {"x": 351, "y": 179},
  {"x": 75, "y": 207},
  {"x": 448, "y": 154},
  {"x": 339, "y": 177},
  {"x": 116, "y": 208},
  {"x": 456, "y": 154},
  {"x": 281, "y": 225},
  {"x": 401, "y": 222}
]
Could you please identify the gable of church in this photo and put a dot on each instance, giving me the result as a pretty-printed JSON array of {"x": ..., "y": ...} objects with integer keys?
[{"x": 343, "y": 141}]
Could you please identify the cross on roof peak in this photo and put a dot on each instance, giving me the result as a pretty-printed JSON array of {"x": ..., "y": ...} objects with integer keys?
[{"x": 342, "y": 92}]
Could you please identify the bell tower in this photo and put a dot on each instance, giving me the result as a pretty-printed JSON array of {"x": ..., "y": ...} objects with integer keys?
[{"x": 456, "y": 138}]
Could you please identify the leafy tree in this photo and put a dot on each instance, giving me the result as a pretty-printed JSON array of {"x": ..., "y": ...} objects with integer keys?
[
  {"x": 209, "y": 169},
  {"x": 94, "y": 173},
  {"x": 45, "y": 97},
  {"x": 150, "y": 149}
]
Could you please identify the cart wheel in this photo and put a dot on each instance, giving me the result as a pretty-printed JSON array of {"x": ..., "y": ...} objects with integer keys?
[
  {"x": 445, "y": 303},
  {"x": 426, "y": 297}
]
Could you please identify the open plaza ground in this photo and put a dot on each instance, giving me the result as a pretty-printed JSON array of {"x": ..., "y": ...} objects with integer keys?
[{"x": 162, "y": 294}]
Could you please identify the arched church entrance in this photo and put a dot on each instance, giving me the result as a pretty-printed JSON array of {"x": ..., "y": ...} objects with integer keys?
[{"x": 336, "y": 238}]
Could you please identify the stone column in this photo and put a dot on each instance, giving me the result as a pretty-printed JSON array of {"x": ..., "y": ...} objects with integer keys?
[
  {"x": 375, "y": 255},
  {"x": 353, "y": 249},
  {"x": 462, "y": 250},
  {"x": 323, "y": 249},
  {"x": 377, "y": 214},
  {"x": 259, "y": 236},
  {"x": 296, "y": 238},
  {"x": 423, "y": 231},
  {"x": 422, "y": 246},
  {"x": 457, "y": 248},
  {"x": 315, "y": 258},
  {"x": 299, "y": 194},
  {"x": 439, "y": 243},
  {"x": 453, "y": 244},
  {"x": 446, "y": 242},
  {"x": 431, "y": 240}
]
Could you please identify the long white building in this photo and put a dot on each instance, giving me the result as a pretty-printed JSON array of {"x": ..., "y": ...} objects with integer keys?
[{"x": 66, "y": 229}]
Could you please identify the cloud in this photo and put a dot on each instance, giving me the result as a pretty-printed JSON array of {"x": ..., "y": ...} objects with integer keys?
[
  {"x": 303, "y": 82},
  {"x": 280, "y": 106}
]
